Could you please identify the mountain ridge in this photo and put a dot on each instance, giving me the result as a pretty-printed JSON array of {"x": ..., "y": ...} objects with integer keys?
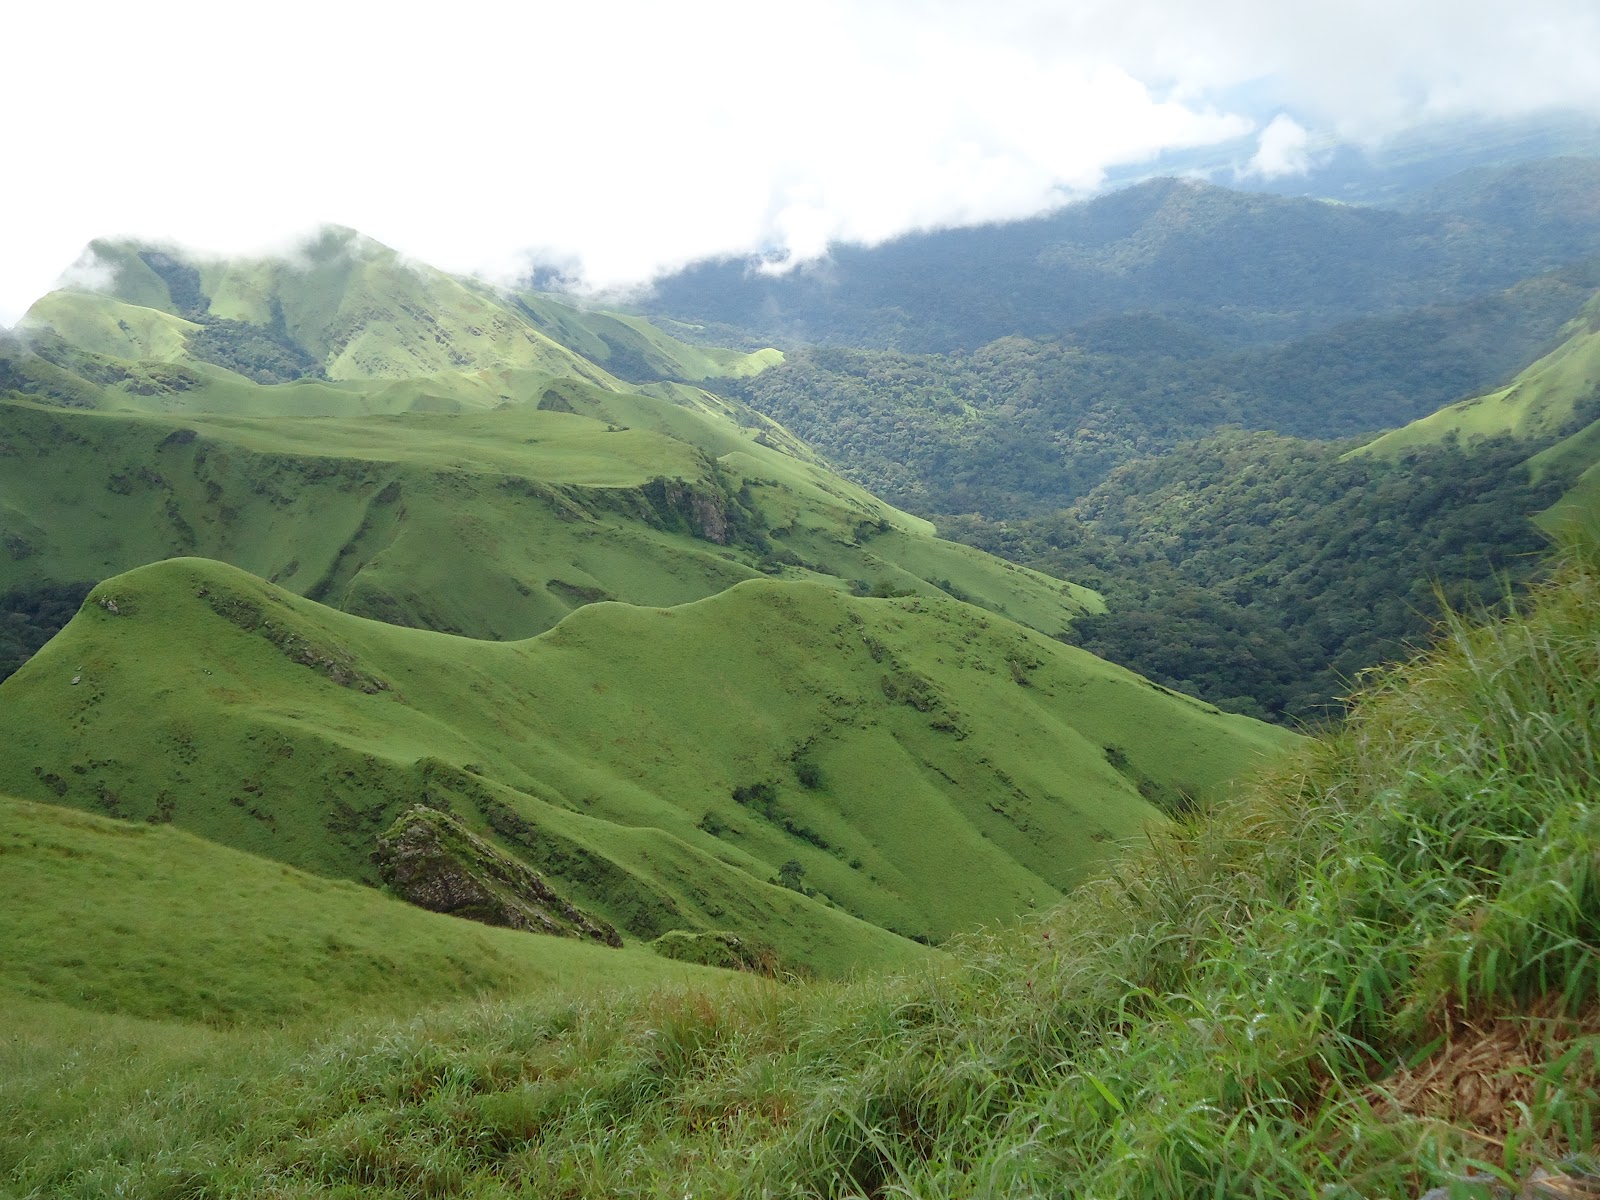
[{"x": 1242, "y": 266}]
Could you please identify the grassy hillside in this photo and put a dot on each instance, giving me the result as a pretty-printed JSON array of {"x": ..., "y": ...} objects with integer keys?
[
  {"x": 149, "y": 921},
  {"x": 491, "y": 524},
  {"x": 1557, "y": 397},
  {"x": 343, "y": 326},
  {"x": 1372, "y": 975},
  {"x": 926, "y": 766},
  {"x": 786, "y": 760},
  {"x": 344, "y": 307},
  {"x": 405, "y": 445},
  {"x": 1548, "y": 397},
  {"x": 632, "y": 348}
]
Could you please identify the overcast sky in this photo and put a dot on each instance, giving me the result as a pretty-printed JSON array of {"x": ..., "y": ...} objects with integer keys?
[{"x": 629, "y": 138}]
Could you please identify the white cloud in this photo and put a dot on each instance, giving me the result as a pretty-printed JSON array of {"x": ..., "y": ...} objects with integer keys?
[
  {"x": 633, "y": 137},
  {"x": 87, "y": 274},
  {"x": 1281, "y": 149}
]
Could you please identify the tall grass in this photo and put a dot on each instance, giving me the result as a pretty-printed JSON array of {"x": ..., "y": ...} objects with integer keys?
[{"x": 1376, "y": 972}]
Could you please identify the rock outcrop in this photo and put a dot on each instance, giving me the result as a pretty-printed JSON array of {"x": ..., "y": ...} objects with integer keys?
[{"x": 430, "y": 859}]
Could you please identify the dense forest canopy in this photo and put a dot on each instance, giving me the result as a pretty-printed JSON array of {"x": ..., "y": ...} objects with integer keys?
[
  {"x": 1021, "y": 425},
  {"x": 1263, "y": 573}
]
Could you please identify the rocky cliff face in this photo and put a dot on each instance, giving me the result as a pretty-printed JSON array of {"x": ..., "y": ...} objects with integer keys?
[
  {"x": 697, "y": 511},
  {"x": 430, "y": 859}
]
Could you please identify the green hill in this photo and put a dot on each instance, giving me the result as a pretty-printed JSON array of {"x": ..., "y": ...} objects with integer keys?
[
  {"x": 344, "y": 307},
  {"x": 714, "y": 686},
  {"x": 1545, "y": 399},
  {"x": 1557, "y": 397},
  {"x": 150, "y": 921},
  {"x": 492, "y": 524},
  {"x": 926, "y": 766}
]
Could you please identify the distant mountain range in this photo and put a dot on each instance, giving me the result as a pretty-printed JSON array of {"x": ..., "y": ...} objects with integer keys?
[{"x": 1233, "y": 267}]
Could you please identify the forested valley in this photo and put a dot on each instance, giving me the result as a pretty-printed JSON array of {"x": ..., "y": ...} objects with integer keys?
[{"x": 1203, "y": 479}]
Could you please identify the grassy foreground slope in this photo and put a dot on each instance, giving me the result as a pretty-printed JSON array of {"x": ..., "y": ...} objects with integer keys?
[
  {"x": 925, "y": 765},
  {"x": 150, "y": 921},
  {"x": 1372, "y": 975}
]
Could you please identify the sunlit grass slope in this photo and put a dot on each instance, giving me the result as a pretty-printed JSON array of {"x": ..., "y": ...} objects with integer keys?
[
  {"x": 150, "y": 921},
  {"x": 1558, "y": 393},
  {"x": 928, "y": 766},
  {"x": 358, "y": 310},
  {"x": 486, "y": 523},
  {"x": 1371, "y": 975},
  {"x": 1540, "y": 401}
]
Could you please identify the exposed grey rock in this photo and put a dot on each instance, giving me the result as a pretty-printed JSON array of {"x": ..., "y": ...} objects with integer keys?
[{"x": 432, "y": 860}]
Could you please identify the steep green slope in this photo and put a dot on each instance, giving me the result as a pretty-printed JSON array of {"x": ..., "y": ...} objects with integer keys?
[
  {"x": 151, "y": 921},
  {"x": 343, "y": 307},
  {"x": 924, "y": 765},
  {"x": 1555, "y": 396},
  {"x": 1548, "y": 397},
  {"x": 492, "y": 524},
  {"x": 1578, "y": 510},
  {"x": 631, "y": 348}
]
